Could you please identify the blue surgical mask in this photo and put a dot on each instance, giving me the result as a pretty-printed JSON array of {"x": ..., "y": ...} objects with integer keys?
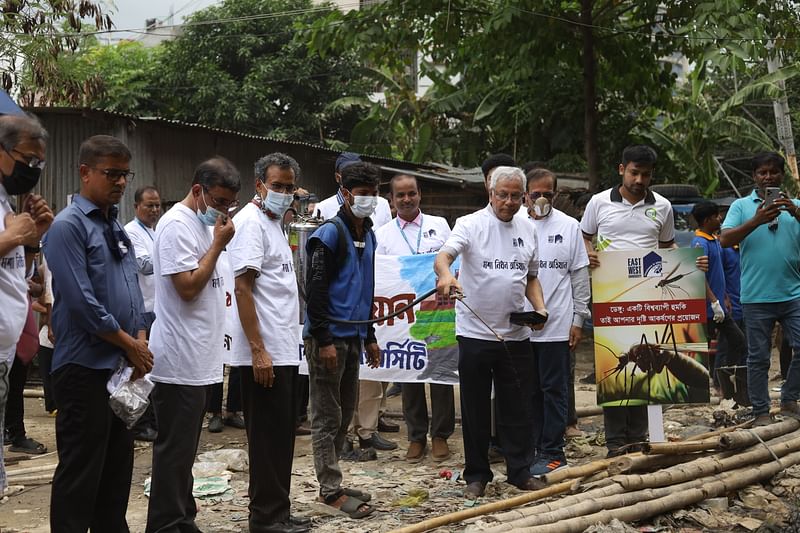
[
  {"x": 278, "y": 202},
  {"x": 209, "y": 218}
]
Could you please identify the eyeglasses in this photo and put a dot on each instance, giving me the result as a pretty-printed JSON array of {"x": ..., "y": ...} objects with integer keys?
[
  {"x": 221, "y": 203},
  {"x": 151, "y": 206},
  {"x": 31, "y": 160},
  {"x": 288, "y": 188},
  {"x": 534, "y": 195},
  {"x": 114, "y": 174},
  {"x": 503, "y": 196}
]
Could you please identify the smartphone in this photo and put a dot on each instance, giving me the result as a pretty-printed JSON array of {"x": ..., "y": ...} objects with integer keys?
[
  {"x": 527, "y": 318},
  {"x": 772, "y": 194}
]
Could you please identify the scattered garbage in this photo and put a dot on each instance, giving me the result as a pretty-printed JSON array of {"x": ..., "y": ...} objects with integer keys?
[{"x": 234, "y": 459}]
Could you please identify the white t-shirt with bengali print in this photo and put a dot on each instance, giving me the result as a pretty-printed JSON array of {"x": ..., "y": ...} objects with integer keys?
[
  {"x": 431, "y": 232},
  {"x": 561, "y": 251},
  {"x": 187, "y": 338},
  {"x": 13, "y": 290},
  {"x": 496, "y": 259},
  {"x": 620, "y": 225},
  {"x": 260, "y": 244}
]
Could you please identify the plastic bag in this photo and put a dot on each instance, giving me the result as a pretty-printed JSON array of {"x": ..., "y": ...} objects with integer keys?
[
  {"x": 128, "y": 399},
  {"x": 235, "y": 460}
]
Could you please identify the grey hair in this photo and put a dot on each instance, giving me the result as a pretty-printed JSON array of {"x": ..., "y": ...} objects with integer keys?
[
  {"x": 276, "y": 159},
  {"x": 507, "y": 173},
  {"x": 16, "y": 128}
]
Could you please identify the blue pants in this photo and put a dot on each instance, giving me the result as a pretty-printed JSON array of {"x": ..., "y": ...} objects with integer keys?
[
  {"x": 760, "y": 320},
  {"x": 550, "y": 397}
]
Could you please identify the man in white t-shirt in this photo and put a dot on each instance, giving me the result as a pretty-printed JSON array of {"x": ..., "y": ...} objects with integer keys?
[
  {"x": 268, "y": 306},
  {"x": 499, "y": 266},
  {"x": 22, "y": 148},
  {"x": 147, "y": 206},
  {"x": 366, "y": 420},
  {"x": 626, "y": 217},
  {"x": 411, "y": 233},
  {"x": 187, "y": 337},
  {"x": 564, "y": 275}
]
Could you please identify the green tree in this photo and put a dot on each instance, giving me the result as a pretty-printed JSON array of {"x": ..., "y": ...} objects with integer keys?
[
  {"x": 238, "y": 66},
  {"x": 37, "y": 32},
  {"x": 535, "y": 77}
]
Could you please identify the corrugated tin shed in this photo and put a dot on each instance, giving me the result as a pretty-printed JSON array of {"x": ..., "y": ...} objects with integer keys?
[{"x": 166, "y": 152}]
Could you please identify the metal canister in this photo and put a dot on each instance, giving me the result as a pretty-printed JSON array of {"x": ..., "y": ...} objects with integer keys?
[{"x": 299, "y": 230}]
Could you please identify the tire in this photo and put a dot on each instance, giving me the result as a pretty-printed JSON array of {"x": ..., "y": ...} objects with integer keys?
[{"x": 676, "y": 190}]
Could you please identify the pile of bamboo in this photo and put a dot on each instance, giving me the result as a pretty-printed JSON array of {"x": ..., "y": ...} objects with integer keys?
[{"x": 667, "y": 477}]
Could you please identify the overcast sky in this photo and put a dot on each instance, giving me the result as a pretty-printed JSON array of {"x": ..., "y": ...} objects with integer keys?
[{"x": 133, "y": 13}]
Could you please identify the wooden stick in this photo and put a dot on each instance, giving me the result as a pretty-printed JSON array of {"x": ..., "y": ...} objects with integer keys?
[
  {"x": 572, "y": 472},
  {"x": 680, "y": 448},
  {"x": 644, "y": 463},
  {"x": 493, "y": 507},
  {"x": 31, "y": 470},
  {"x": 710, "y": 488},
  {"x": 21, "y": 480},
  {"x": 742, "y": 438}
]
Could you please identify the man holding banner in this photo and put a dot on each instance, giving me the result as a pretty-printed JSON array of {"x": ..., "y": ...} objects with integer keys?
[
  {"x": 412, "y": 233},
  {"x": 499, "y": 267},
  {"x": 625, "y": 217}
]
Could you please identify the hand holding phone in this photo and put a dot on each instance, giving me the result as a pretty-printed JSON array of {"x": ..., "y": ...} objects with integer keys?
[{"x": 771, "y": 194}]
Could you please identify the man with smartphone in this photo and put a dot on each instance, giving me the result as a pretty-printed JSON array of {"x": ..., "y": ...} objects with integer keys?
[{"x": 766, "y": 227}]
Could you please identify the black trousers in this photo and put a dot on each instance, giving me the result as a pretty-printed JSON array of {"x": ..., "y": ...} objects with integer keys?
[
  {"x": 301, "y": 399},
  {"x": 15, "y": 404},
  {"x": 415, "y": 410},
  {"x": 269, "y": 418},
  {"x": 511, "y": 367},
  {"x": 572, "y": 415},
  {"x": 45, "y": 364},
  {"x": 234, "y": 400},
  {"x": 92, "y": 481},
  {"x": 179, "y": 411},
  {"x": 625, "y": 425}
]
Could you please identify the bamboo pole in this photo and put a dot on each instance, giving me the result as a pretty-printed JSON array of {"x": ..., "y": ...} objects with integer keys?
[
  {"x": 708, "y": 465},
  {"x": 488, "y": 508},
  {"x": 680, "y": 448},
  {"x": 31, "y": 470},
  {"x": 747, "y": 437},
  {"x": 21, "y": 480},
  {"x": 644, "y": 463},
  {"x": 711, "y": 487},
  {"x": 572, "y": 472}
]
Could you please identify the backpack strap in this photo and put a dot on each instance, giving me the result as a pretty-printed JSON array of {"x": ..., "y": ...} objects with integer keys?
[{"x": 341, "y": 246}]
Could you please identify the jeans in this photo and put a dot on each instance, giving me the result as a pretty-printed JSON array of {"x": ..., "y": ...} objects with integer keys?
[
  {"x": 731, "y": 343},
  {"x": 333, "y": 395},
  {"x": 4, "y": 368},
  {"x": 760, "y": 320},
  {"x": 550, "y": 403}
]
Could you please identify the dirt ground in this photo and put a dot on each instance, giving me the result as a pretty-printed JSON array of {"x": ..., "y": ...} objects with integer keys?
[{"x": 388, "y": 479}]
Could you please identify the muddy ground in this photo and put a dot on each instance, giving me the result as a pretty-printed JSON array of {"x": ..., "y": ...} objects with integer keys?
[{"x": 390, "y": 478}]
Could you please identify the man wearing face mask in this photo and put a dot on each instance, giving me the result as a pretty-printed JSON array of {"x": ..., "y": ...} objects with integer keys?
[
  {"x": 98, "y": 321},
  {"x": 564, "y": 275},
  {"x": 187, "y": 335},
  {"x": 341, "y": 283},
  {"x": 22, "y": 147},
  {"x": 268, "y": 307}
]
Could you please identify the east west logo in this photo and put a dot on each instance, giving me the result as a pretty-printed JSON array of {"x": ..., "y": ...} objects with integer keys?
[
  {"x": 555, "y": 239},
  {"x": 518, "y": 242},
  {"x": 649, "y": 266}
]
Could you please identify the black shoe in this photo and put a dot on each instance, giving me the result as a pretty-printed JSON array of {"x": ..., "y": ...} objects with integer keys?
[
  {"x": 282, "y": 527},
  {"x": 215, "y": 424},
  {"x": 589, "y": 378},
  {"x": 235, "y": 421},
  {"x": 145, "y": 434},
  {"x": 298, "y": 520},
  {"x": 377, "y": 442},
  {"x": 384, "y": 426}
]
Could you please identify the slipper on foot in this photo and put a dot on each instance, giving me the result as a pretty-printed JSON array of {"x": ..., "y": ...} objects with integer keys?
[
  {"x": 352, "y": 507},
  {"x": 28, "y": 445}
]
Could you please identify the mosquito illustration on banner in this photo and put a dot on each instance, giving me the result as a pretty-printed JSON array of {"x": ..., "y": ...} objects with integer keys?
[
  {"x": 668, "y": 284},
  {"x": 653, "y": 358}
]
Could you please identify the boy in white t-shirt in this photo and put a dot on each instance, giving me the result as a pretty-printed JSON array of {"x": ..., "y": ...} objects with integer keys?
[{"x": 187, "y": 337}]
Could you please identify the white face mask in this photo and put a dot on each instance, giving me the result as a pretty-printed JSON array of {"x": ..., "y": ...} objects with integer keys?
[
  {"x": 542, "y": 207},
  {"x": 278, "y": 202},
  {"x": 363, "y": 206}
]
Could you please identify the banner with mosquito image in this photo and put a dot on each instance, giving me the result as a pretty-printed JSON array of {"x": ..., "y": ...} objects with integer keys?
[{"x": 649, "y": 314}]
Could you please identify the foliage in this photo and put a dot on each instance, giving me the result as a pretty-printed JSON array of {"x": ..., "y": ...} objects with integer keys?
[
  {"x": 36, "y": 33},
  {"x": 232, "y": 69}
]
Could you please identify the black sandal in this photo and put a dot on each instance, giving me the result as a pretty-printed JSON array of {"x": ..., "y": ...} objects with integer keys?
[{"x": 28, "y": 445}]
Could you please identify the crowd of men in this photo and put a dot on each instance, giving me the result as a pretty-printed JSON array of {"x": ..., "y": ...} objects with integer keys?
[{"x": 154, "y": 294}]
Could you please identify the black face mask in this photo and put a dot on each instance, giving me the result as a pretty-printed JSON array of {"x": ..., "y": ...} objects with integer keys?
[{"x": 22, "y": 179}]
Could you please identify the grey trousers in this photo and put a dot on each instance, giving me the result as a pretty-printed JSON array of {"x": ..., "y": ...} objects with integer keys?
[
  {"x": 415, "y": 411},
  {"x": 333, "y": 395}
]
